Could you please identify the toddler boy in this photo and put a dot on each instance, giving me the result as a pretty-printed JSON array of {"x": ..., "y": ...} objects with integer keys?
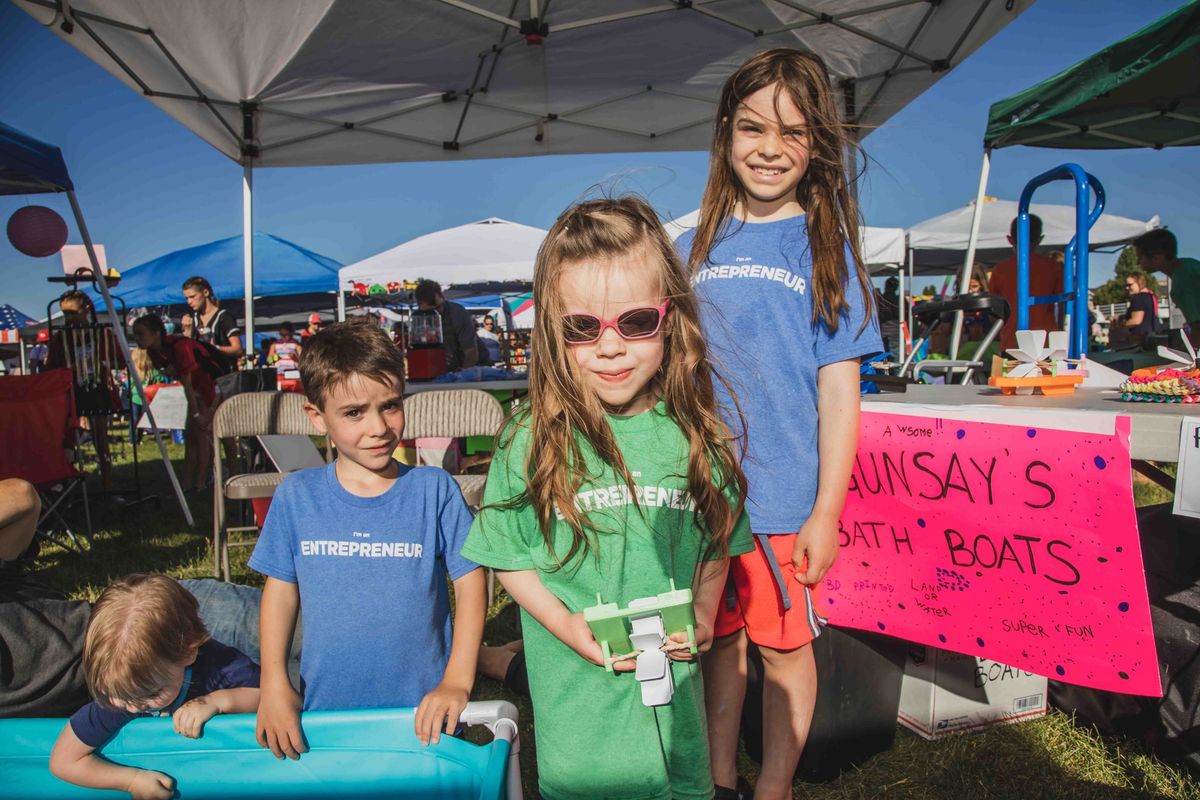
[{"x": 146, "y": 652}]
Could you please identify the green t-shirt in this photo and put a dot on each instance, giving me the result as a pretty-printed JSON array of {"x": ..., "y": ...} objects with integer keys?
[
  {"x": 1185, "y": 289},
  {"x": 595, "y": 739}
]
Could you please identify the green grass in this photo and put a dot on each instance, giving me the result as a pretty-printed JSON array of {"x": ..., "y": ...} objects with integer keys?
[{"x": 1043, "y": 758}]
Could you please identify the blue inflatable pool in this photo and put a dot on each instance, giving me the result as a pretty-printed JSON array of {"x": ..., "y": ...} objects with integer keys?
[{"x": 352, "y": 754}]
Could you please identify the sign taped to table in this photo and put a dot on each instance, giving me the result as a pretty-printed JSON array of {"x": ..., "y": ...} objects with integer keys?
[{"x": 1014, "y": 543}]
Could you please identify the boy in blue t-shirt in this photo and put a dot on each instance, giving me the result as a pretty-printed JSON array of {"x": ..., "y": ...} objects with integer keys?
[
  {"x": 146, "y": 652},
  {"x": 365, "y": 545}
]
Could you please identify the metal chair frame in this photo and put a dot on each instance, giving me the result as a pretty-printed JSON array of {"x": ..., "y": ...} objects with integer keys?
[
  {"x": 457, "y": 413},
  {"x": 242, "y": 416}
]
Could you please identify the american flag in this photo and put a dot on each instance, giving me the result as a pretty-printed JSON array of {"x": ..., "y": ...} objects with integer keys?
[{"x": 11, "y": 322}]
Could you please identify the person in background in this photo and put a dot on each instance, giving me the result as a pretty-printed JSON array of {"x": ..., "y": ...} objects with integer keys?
[
  {"x": 489, "y": 342},
  {"x": 285, "y": 352},
  {"x": 1045, "y": 277},
  {"x": 976, "y": 323},
  {"x": 979, "y": 279},
  {"x": 98, "y": 354},
  {"x": 1140, "y": 319},
  {"x": 1158, "y": 251},
  {"x": 197, "y": 366},
  {"x": 458, "y": 326},
  {"x": 39, "y": 352},
  {"x": 148, "y": 374},
  {"x": 887, "y": 306},
  {"x": 314, "y": 325},
  {"x": 213, "y": 324}
]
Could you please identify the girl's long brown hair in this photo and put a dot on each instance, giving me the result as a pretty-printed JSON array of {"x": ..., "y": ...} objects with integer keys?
[
  {"x": 823, "y": 192},
  {"x": 617, "y": 234}
]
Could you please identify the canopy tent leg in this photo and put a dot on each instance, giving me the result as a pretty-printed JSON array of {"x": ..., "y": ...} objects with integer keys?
[
  {"x": 912, "y": 293},
  {"x": 248, "y": 253},
  {"x": 21, "y": 350},
  {"x": 901, "y": 314},
  {"x": 341, "y": 305},
  {"x": 964, "y": 280},
  {"x": 119, "y": 333}
]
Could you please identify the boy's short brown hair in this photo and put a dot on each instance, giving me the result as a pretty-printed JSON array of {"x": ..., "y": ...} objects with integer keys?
[
  {"x": 334, "y": 354},
  {"x": 141, "y": 626}
]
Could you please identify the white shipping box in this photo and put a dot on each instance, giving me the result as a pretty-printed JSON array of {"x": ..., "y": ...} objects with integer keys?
[{"x": 945, "y": 692}]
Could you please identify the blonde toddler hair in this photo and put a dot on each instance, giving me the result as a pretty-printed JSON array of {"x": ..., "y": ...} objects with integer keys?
[{"x": 140, "y": 627}]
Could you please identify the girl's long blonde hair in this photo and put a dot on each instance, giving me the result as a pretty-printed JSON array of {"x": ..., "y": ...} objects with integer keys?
[
  {"x": 560, "y": 407},
  {"x": 823, "y": 192}
]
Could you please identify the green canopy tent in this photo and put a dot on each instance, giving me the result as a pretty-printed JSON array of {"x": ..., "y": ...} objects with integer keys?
[{"x": 1143, "y": 91}]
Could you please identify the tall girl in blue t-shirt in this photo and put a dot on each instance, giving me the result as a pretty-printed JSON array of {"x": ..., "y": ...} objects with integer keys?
[{"x": 786, "y": 308}]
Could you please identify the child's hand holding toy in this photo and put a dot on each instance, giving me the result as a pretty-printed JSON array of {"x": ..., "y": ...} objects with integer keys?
[{"x": 584, "y": 643}]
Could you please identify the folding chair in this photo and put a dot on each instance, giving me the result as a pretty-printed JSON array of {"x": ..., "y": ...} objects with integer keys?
[
  {"x": 242, "y": 416},
  {"x": 37, "y": 424},
  {"x": 457, "y": 413}
]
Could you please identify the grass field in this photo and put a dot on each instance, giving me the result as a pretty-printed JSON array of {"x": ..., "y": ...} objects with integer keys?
[{"x": 1044, "y": 758}]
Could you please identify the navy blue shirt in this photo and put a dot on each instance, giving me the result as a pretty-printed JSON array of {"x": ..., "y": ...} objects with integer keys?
[
  {"x": 372, "y": 576},
  {"x": 217, "y": 666},
  {"x": 757, "y": 311}
]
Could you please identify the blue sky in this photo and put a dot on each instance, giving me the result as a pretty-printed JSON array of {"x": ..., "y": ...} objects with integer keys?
[{"x": 148, "y": 186}]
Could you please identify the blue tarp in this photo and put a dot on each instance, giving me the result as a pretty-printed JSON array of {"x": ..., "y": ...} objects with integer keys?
[
  {"x": 280, "y": 268},
  {"x": 28, "y": 166}
]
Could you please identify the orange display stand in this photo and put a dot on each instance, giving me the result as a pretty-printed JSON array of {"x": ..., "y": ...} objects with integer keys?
[{"x": 1049, "y": 385}]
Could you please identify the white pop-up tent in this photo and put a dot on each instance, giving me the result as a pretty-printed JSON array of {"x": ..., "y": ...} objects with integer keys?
[
  {"x": 316, "y": 82},
  {"x": 882, "y": 248},
  {"x": 940, "y": 243},
  {"x": 488, "y": 250}
]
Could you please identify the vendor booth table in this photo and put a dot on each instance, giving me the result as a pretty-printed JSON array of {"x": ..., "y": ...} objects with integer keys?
[{"x": 1154, "y": 434}]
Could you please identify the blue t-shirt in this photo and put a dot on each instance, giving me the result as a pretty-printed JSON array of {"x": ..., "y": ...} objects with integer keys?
[
  {"x": 757, "y": 311},
  {"x": 217, "y": 666},
  {"x": 372, "y": 576}
]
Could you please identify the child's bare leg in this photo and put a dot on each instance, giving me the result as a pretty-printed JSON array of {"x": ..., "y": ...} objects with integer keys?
[
  {"x": 19, "y": 510},
  {"x": 494, "y": 661},
  {"x": 789, "y": 699},
  {"x": 724, "y": 693}
]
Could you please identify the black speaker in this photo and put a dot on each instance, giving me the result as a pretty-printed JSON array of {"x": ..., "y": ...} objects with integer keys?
[
  {"x": 858, "y": 696},
  {"x": 264, "y": 379}
]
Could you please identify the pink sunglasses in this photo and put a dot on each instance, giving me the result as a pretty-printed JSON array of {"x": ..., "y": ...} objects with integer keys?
[{"x": 636, "y": 323}]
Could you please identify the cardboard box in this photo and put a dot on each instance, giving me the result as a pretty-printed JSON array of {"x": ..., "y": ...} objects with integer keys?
[{"x": 945, "y": 693}]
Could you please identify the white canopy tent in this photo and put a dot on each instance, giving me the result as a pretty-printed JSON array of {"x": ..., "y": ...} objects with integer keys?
[
  {"x": 488, "y": 250},
  {"x": 940, "y": 243},
  {"x": 883, "y": 248},
  {"x": 318, "y": 82}
]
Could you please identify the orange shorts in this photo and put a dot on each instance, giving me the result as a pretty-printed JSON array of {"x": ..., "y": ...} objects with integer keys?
[{"x": 757, "y": 605}]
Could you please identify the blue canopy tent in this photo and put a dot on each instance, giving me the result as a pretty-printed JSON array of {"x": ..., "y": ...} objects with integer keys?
[
  {"x": 281, "y": 268},
  {"x": 12, "y": 320},
  {"x": 28, "y": 166}
]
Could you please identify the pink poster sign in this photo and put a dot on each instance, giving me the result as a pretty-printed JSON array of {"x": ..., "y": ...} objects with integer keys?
[{"x": 1018, "y": 544}]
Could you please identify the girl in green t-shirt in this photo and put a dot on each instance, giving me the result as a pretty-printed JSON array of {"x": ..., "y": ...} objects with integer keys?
[{"x": 617, "y": 478}]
